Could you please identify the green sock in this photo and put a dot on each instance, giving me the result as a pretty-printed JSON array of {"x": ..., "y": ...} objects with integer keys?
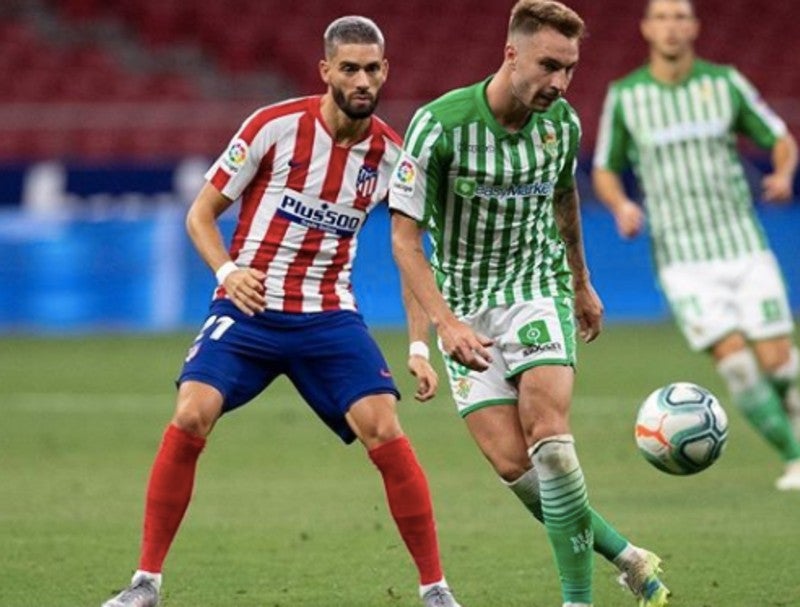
[
  {"x": 780, "y": 386},
  {"x": 608, "y": 542},
  {"x": 760, "y": 402},
  {"x": 567, "y": 517},
  {"x": 763, "y": 408}
]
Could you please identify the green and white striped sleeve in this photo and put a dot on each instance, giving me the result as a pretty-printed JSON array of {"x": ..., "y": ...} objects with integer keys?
[
  {"x": 613, "y": 138},
  {"x": 420, "y": 171},
  {"x": 755, "y": 118},
  {"x": 566, "y": 179}
]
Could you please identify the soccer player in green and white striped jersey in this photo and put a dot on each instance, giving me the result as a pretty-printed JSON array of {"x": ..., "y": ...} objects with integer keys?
[
  {"x": 675, "y": 122},
  {"x": 488, "y": 170}
]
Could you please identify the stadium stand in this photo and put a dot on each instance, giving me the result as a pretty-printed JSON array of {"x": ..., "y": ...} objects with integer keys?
[{"x": 169, "y": 78}]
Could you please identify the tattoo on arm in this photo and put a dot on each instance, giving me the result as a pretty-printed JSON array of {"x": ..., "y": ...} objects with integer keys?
[{"x": 568, "y": 220}]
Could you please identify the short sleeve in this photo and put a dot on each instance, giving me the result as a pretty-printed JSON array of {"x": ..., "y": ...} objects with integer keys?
[
  {"x": 613, "y": 138},
  {"x": 421, "y": 169},
  {"x": 754, "y": 118},
  {"x": 238, "y": 164}
]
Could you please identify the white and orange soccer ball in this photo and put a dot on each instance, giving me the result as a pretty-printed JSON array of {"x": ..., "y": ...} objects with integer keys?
[{"x": 681, "y": 428}]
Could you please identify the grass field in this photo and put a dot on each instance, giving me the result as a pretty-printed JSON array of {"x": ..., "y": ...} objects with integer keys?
[{"x": 285, "y": 516}]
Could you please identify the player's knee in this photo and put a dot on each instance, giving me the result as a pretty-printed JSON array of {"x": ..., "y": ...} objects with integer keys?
[
  {"x": 552, "y": 424},
  {"x": 381, "y": 433},
  {"x": 784, "y": 366},
  {"x": 193, "y": 422},
  {"x": 198, "y": 409},
  {"x": 511, "y": 470}
]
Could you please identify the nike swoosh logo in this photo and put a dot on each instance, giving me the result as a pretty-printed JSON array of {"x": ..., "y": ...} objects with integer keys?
[
  {"x": 385, "y": 373},
  {"x": 296, "y": 164}
]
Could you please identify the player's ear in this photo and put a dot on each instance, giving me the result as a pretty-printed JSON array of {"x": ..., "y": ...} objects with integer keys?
[
  {"x": 695, "y": 28},
  {"x": 644, "y": 29},
  {"x": 510, "y": 54},
  {"x": 324, "y": 70}
]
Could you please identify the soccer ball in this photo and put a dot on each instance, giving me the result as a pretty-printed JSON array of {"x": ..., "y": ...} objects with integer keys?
[{"x": 681, "y": 428}]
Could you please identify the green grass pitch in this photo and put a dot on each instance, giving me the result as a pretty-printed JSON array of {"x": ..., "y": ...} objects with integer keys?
[{"x": 286, "y": 516}]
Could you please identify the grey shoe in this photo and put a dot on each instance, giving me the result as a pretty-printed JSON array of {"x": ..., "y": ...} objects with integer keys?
[
  {"x": 439, "y": 596},
  {"x": 143, "y": 592}
]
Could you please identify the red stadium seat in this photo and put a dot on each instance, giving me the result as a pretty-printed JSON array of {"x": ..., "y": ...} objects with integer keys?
[{"x": 432, "y": 47}]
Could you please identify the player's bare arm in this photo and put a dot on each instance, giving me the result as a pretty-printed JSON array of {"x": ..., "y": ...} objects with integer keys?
[
  {"x": 588, "y": 307},
  {"x": 418, "y": 355},
  {"x": 777, "y": 186},
  {"x": 244, "y": 286},
  {"x": 627, "y": 214},
  {"x": 459, "y": 341}
]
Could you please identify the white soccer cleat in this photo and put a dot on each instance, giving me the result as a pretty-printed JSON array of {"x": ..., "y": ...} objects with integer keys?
[
  {"x": 439, "y": 596},
  {"x": 790, "y": 481},
  {"x": 143, "y": 592},
  {"x": 641, "y": 578}
]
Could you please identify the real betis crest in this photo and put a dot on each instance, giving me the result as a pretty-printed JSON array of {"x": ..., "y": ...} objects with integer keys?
[
  {"x": 550, "y": 144},
  {"x": 463, "y": 387}
]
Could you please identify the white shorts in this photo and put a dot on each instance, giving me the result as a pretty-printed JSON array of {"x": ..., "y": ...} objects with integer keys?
[
  {"x": 527, "y": 334},
  {"x": 713, "y": 299}
]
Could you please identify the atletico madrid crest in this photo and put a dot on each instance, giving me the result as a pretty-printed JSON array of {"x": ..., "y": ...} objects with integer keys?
[{"x": 367, "y": 181}]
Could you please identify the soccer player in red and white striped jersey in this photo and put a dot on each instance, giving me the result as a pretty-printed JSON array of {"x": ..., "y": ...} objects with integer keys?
[{"x": 308, "y": 171}]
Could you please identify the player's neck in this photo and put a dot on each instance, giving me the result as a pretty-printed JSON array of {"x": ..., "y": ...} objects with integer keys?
[
  {"x": 670, "y": 70},
  {"x": 344, "y": 131},
  {"x": 507, "y": 111}
]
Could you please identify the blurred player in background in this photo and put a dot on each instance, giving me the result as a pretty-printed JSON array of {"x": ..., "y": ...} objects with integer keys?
[
  {"x": 489, "y": 171},
  {"x": 308, "y": 171},
  {"x": 675, "y": 121}
]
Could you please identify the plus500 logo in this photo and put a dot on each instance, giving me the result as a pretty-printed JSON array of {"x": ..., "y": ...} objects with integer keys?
[{"x": 343, "y": 221}]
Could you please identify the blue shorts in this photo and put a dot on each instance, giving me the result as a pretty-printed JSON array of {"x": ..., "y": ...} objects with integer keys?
[{"x": 330, "y": 357}]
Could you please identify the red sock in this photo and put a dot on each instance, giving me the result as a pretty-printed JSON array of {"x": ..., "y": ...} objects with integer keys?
[
  {"x": 410, "y": 503},
  {"x": 168, "y": 494}
]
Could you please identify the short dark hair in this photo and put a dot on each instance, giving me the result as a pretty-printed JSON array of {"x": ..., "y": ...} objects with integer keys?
[
  {"x": 530, "y": 16},
  {"x": 352, "y": 29}
]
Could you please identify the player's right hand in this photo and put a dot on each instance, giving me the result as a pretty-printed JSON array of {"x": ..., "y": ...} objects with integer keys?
[
  {"x": 427, "y": 378},
  {"x": 629, "y": 218},
  {"x": 245, "y": 288},
  {"x": 465, "y": 346},
  {"x": 777, "y": 187}
]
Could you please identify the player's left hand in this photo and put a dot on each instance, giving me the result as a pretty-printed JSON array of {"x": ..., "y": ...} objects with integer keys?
[
  {"x": 427, "y": 378},
  {"x": 777, "y": 187},
  {"x": 588, "y": 311}
]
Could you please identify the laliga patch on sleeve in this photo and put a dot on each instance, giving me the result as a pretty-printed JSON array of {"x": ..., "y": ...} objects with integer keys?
[
  {"x": 404, "y": 177},
  {"x": 235, "y": 156}
]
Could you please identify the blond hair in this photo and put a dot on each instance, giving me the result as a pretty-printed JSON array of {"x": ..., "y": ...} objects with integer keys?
[{"x": 530, "y": 16}]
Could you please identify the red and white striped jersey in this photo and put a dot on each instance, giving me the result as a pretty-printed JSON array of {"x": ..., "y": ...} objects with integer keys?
[{"x": 304, "y": 199}]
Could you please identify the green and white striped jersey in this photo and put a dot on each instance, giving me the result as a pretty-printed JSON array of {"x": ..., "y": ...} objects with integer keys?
[
  {"x": 681, "y": 142},
  {"x": 486, "y": 198}
]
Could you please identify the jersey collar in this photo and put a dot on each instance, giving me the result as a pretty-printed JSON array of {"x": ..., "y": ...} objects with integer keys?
[{"x": 495, "y": 127}]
